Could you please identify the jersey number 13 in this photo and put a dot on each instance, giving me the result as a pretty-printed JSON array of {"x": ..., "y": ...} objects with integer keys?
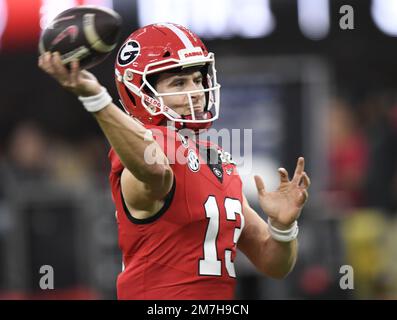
[{"x": 210, "y": 265}]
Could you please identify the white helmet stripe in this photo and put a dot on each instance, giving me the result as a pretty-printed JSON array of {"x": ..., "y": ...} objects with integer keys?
[{"x": 181, "y": 35}]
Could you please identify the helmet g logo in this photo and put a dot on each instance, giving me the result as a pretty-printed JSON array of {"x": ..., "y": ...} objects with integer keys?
[{"x": 128, "y": 53}]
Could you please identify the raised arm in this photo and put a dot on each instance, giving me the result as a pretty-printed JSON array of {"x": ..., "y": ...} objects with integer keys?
[{"x": 128, "y": 138}]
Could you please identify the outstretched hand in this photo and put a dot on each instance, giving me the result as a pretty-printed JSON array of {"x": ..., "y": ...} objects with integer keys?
[
  {"x": 80, "y": 82},
  {"x": 284, "y": 205}
]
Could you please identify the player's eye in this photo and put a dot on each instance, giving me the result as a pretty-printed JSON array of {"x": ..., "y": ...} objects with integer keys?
[{"x": 178, "y": 83}]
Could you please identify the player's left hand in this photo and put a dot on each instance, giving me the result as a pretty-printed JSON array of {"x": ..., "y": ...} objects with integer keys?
[{"x": 284, "y": 205}]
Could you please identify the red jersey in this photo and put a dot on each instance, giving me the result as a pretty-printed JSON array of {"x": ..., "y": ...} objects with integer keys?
[{"x": 187, "y": 249}]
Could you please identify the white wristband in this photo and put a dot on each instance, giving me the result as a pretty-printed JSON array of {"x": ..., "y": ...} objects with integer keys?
[
  {"x": 97, "y": 102},
  {"x": 284, "y": 235}
]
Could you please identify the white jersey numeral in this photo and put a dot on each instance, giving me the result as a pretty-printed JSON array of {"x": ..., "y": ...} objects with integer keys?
[
  {"x": 211, "y": 265},
  {"x": 233, "y": 207}
]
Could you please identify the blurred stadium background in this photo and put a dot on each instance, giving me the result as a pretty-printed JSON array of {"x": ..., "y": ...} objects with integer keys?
[{"x": 288, "y": 71}]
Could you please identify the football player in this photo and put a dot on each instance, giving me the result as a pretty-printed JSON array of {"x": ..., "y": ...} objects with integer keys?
[{"x": 180, "y": 222}]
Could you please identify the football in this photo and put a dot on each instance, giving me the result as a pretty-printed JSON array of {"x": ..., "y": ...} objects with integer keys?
[{"x": 86, "y": 33}]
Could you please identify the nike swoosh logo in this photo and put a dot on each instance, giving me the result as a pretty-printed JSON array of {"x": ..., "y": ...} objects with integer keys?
[
  {"x": 71, "y": 31},
  {"x": 53, "y": 23}
]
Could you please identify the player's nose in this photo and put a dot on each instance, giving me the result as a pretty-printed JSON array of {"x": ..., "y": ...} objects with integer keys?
[
  {"x": 194, "y": 86},
  {"x": 197, "y": 97}
]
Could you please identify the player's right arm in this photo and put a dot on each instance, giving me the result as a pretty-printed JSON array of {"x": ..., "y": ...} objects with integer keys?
[{"x": 144, "y": 184}]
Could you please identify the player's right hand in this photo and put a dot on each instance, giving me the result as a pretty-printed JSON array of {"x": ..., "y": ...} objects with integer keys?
[{"x": 80, "y": 82}]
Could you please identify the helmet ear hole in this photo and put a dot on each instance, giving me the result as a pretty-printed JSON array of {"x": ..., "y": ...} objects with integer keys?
[{"x": 166, "y": 54}]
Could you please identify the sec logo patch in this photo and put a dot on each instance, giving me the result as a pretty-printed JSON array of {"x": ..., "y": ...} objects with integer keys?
[{"x": 193, "y": 161}]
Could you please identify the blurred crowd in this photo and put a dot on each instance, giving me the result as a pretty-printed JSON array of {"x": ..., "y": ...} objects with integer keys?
[
  {"x": 363, "y": 188},
  {"x": 46, "y": 185},
  {"x": 363, "y": 155},
  {"x": 32, "y": 154}
]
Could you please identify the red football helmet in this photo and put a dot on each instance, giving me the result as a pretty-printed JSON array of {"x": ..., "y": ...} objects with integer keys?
[{"x": 154, "y": 49}]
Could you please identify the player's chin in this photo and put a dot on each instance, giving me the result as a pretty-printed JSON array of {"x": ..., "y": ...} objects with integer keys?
[{"x": 199, "y": 115}]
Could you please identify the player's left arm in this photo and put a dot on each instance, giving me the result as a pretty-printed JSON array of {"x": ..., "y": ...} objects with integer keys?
[{"x": 283, "y": 207}]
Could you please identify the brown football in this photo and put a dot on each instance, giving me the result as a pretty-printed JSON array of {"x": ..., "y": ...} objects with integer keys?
[{"x": 86, "y": 33}]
